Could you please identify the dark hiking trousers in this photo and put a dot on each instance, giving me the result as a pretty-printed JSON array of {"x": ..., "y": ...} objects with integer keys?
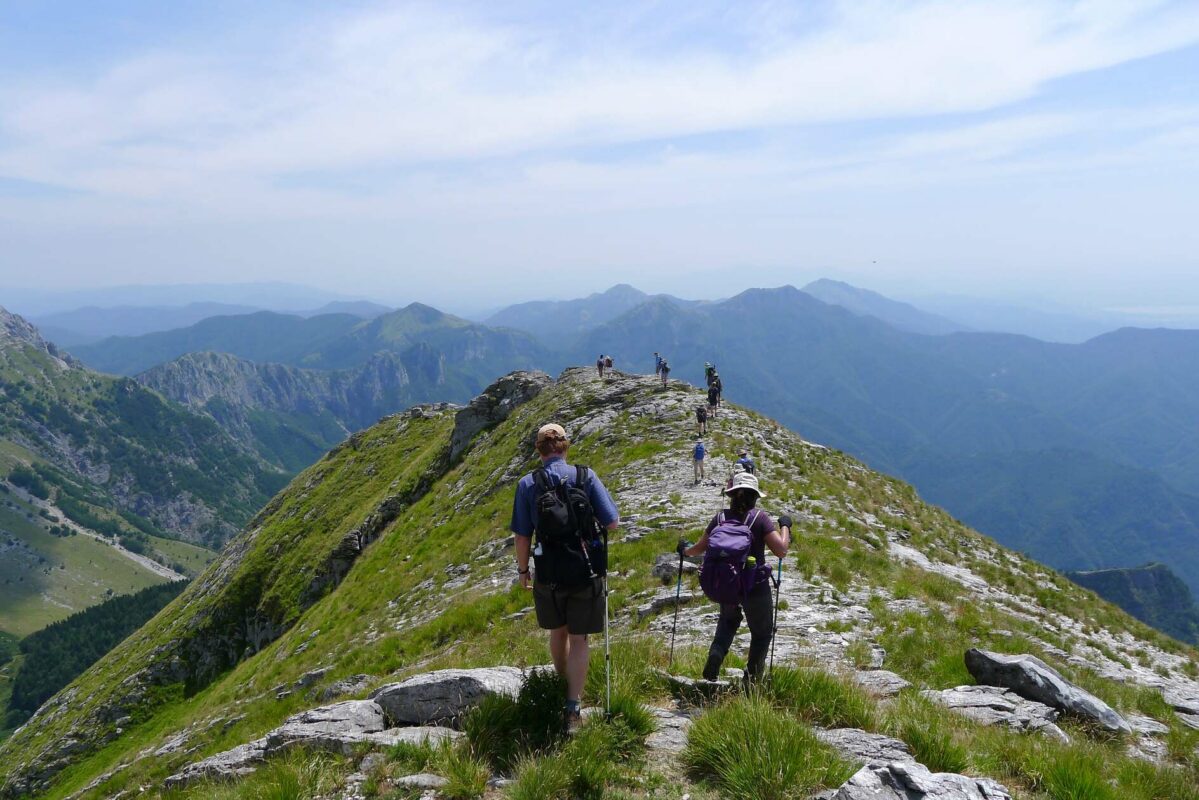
[{"x": 759, "y": 613}]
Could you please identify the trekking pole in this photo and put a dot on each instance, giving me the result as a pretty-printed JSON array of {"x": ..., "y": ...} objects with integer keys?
[
  {"x": 678, "y": 591},
  {"x": 607, "y": 657},
  {"x": 774, "y": 636}
]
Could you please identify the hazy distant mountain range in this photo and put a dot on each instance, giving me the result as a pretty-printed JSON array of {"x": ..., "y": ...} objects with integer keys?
[{"x": 1084, "y": 456}]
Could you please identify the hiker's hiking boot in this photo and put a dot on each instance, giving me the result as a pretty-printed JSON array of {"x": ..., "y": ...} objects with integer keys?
[{"x": 573, "y": 720}]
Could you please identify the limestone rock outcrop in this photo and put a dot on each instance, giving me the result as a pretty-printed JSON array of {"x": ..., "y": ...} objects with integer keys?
[{"x": 1031, "y": 678}]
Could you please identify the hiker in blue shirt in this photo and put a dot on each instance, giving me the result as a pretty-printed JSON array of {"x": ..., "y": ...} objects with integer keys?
[
  {"x": 747, "y": 463},
  {"x": 570, "y": 612},
  {"x": 657, "y": 364},
  {"x": 698, "y": 455}
]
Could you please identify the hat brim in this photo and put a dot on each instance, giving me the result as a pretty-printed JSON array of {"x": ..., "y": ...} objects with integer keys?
[{"x": 726, "y": 490}]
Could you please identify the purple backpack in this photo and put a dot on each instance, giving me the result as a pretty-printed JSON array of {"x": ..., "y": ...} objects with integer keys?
[{"x": 723, "y": 575}]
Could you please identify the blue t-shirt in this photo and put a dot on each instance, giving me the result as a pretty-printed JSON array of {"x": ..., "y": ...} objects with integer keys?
[
  {"x": 524, "y": 505},
  {"x": 749, "y": 465},
  {"x": 699, "y": 452}
]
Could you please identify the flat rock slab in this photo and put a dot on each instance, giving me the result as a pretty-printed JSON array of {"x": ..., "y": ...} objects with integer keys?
[
  {"x": 241, "y": 760},
  {"x": 666, "y": 567},
  {"x": 693, "y": 690},
  {"x": 421, "y": 780},
  {"x": 1033, "y": 679},
  {"x": 907, "y": 781},
  {"x": 992, "y": 705},
  {"x": 1183, "y": 703},
  {"x": 445, "y": 695},
  {"x": 880, "y": 682},
  {"x": 1190, "y": 720},
  {"x": 671, "y": 734},
  {"x": 867, "y": 749},
  {"x": 1147, "y": 726}
]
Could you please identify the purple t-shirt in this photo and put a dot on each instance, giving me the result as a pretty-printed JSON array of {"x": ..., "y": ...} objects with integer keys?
[{"x": 761, "y": 527}]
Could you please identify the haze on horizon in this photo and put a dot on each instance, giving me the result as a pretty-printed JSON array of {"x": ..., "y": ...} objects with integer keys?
[{"x": 469, "y": 155}]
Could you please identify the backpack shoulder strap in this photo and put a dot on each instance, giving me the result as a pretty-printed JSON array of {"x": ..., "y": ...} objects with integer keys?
[
  {"x": 750, "y": 520},
  {"x": 582, "y": 475},
  {"x": 541, "y": 480}
]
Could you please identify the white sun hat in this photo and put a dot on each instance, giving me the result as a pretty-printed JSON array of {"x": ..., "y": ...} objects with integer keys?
[{"x": 745, "y": 480}]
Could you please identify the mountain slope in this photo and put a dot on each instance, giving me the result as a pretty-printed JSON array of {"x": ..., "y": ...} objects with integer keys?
[
  {"x": 866, "y": 303},
  {"x": 292, "y": 416},
  {"x": 948, "y": 411},
  {"x": 262, "y": 336},
  {"x": 128, "y": 449},
  {"x": 556, "y": 322},
  {"x": 1152, "y": 594},
  {"x": 390, "y": 556},
  {"x": 90, "y": 324}
]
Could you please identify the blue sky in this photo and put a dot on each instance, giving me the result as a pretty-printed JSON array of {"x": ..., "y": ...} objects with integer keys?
[{"x": 470, "y": 154}]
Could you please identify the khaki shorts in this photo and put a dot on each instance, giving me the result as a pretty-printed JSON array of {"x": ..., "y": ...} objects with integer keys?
[{"x": 579, "y": 608}]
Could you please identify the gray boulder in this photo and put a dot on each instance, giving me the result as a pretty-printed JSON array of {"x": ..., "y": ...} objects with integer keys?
[
  {"x": 910, "y": 781},
  {"x": 671, "y": 733},
  {"x": 868, "y": 749},
  {"x": 494, "y": 405},
  {"x": 445, "y": 695},
  {"x": 991, "y": 705},
  {"x": 337, "y": 728},
  {"x": 1033, "y": 679},
  {"x": 238, "y": 762}
]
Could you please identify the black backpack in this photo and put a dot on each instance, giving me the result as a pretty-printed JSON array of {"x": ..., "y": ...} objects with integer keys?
[{"x": 572, "y": 547}]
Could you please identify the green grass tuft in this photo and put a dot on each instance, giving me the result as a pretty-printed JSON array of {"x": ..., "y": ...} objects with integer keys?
[
  {"x": 753, "y": 751},
  {"x": 821, "y": 698}
]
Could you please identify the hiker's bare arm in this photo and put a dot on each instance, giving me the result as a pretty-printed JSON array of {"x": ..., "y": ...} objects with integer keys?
[
  {"x": 522, "y": 559},
  {"x": 697, "y": 548},
  {"x": 779, "y": 543}
]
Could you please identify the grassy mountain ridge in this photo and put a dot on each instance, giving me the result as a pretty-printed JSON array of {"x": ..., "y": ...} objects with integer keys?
[{"x": 426, "y": 581}]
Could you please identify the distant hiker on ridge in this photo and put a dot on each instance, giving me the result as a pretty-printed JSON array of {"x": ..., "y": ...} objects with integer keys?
[
  {"x": 657, "y": 364},
  {"x": 599, "y": 365},
  {"x": 709, "y": 372},
  {"x": 713, "y": 400},
  {"x": 570, "y": 511},
  {"x": 716, "y": 386},
  {"x": 746, "y": 462},
  {"x": 698, "y": 456},
  {"x": 608, "y": 363},
  {"x": 701, "y": 419},
  {"x": 735, "y": 573},
  {"x": 665, "y": 373}
]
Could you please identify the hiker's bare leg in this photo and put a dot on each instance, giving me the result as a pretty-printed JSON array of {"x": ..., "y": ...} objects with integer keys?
[
  {"x": 576, "y": 665},
  {"x": 558, "y": 645}
]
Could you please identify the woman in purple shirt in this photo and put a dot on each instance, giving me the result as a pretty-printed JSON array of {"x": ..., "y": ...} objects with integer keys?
[{"x": 757, "y": 607}]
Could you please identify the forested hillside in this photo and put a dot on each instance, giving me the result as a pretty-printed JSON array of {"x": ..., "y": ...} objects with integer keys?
[{"x": 129, "y": 450}]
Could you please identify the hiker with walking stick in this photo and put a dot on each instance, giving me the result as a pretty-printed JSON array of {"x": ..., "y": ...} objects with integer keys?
[
  {"x": 736, "y": 575},
  {"x": 570, "y": 512}
]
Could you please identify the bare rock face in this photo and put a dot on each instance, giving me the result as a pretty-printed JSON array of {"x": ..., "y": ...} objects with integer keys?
[
  {"x": 336, "y": 728},
  {"x": 868, "y": 749},
  {"x": 351, "y": 685},
  {"x": 494, "y": 405},
  {"x": 992, "y": 705},
  {"x": 909, "y": 781},
  {"x": 444, "y": 695},
  {"x": 1031, "y": 678},
  {"x": 241, "y": 760}
]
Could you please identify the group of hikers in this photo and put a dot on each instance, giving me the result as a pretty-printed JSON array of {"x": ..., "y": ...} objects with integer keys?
[
  {"x": 603, "y": 363},
  {"x": 561, "y": 517}
]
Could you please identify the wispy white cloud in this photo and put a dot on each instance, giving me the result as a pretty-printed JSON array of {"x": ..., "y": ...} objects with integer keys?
[{"x": 421, "y": 112}]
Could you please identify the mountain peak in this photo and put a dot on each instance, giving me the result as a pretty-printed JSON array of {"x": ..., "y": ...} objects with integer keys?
[
  {"x": 867, "y": 303},
  {"x": 15, "y": 330}
]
